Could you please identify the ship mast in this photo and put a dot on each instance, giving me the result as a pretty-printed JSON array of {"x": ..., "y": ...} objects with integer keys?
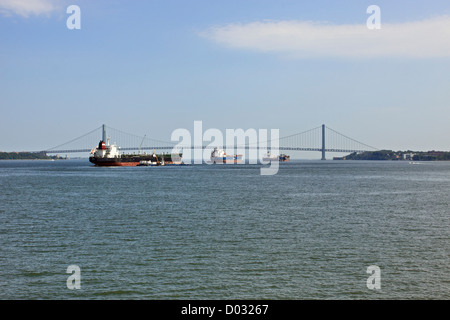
[{"x": 141, "y": 144}]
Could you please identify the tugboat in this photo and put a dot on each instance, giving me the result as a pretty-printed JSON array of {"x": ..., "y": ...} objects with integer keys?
[
  {"x": 219, "y": 156},
  {"x": 281, "y": 157},
  {"x": 154, "y": 161}
]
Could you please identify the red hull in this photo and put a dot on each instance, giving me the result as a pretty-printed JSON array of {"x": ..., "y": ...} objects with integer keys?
[{"x": 117, "y": 164}]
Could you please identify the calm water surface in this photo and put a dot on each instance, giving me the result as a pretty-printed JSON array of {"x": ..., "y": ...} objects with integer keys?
[{"x": 225, "y": 232}]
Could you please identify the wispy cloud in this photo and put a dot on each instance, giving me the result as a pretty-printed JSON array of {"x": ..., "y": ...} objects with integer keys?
[
  {"x": 299, "y": 39},
  {"x": 27, "y": 8}
]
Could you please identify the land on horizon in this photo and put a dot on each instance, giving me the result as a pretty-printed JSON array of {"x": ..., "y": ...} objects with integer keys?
[
  {"x": 387, "y": 155},
  {"x": 28, "y": 156},
  {"x": 398, "y": 155}
]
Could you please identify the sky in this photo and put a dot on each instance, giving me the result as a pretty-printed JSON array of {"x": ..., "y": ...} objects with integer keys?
[{"x": 152, "y": 66}]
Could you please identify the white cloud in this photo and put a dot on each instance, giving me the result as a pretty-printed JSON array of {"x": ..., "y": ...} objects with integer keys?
[
  {"x": 26, "y": 8},
  {"x": 419, "y": 39}
]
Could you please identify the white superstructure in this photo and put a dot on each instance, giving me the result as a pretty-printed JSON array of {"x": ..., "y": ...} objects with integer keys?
[
  {"x": 269, "y": 157},
  {"x": 105, "y": 150},
  {"x": 219, "y": 156}
]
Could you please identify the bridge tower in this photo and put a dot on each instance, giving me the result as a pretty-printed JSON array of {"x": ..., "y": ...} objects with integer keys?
[
  {"x": 103, "y": 133},
  {"x": 323, "y": 142}
]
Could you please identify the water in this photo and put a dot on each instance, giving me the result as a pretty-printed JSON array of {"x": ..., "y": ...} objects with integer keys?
[{"x": 225, "y": 232}]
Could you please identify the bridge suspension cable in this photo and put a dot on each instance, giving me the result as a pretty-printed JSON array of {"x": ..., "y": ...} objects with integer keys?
[
  {"x": 86, "y": 135},
  {"x": 321, "y": 138},
  {"x": 129, "y": 141},
  {"x": 350, "y": 143}
]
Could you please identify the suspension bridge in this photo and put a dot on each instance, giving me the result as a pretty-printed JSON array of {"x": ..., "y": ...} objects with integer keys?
[{"x": 321, "y": 139}]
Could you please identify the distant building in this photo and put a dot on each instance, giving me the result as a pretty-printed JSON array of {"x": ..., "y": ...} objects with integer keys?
[{"x": 408, "y": 156}]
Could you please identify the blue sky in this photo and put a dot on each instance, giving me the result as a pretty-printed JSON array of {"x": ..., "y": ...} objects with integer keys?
[{"x": 150, "y": 67}]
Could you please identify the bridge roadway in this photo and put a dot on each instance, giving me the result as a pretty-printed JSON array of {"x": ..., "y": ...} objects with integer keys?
[{"x": 205, "y": 147}]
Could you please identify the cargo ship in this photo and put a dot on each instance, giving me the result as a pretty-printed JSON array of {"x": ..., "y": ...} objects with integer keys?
[
  {"x": 108, "y": 155},
  {"x": 284, "y": 158},
  {"x": 281, "y": 157},
  {"x": 219, "y": 156}
]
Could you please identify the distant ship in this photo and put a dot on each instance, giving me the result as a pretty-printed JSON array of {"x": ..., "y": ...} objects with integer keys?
[
  {"x": 284, "y": 158},
  {"x": 108, "y": 155},
  {"x": 219, "y": 156},
  {"x": 281, "y": 157},
  {"x": 269, "y": 157}
]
